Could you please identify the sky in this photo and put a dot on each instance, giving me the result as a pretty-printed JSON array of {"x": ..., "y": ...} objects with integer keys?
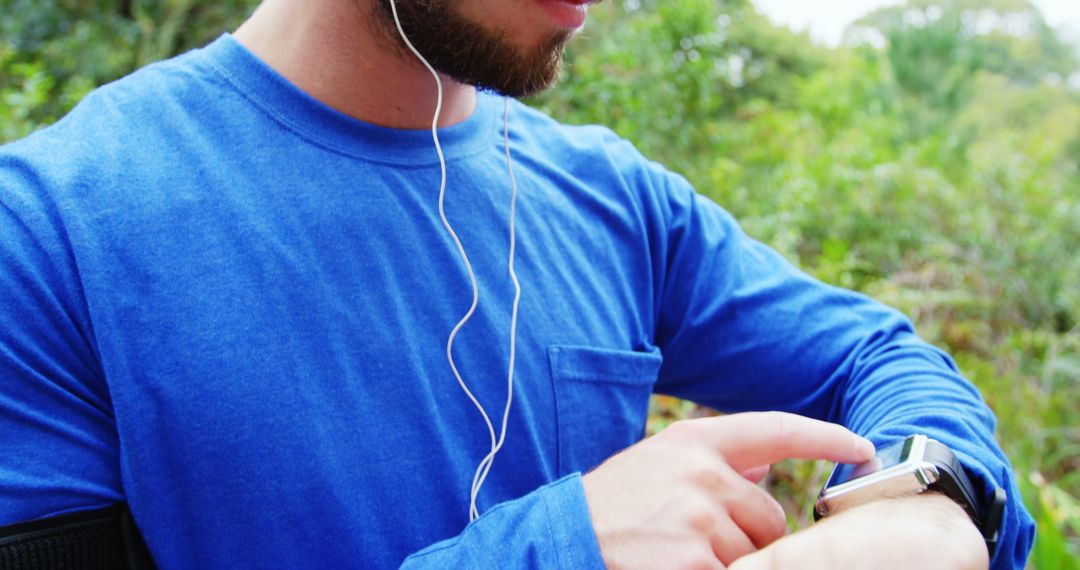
[{"x": 826, "y": 19}]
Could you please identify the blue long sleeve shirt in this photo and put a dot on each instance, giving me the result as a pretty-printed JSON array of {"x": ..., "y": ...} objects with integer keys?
[{"x": 227, "y": 304}]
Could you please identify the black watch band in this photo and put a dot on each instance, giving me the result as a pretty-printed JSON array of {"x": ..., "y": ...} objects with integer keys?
[{"x": 985, "y": 511}]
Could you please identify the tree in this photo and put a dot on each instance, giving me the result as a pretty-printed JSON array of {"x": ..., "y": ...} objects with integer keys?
[
  {"x": 936, "y": 47},
  {"x": 53, "y": 52}
]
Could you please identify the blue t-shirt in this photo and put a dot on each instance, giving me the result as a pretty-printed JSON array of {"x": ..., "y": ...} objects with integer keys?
[{"x": 227, "y": 304}]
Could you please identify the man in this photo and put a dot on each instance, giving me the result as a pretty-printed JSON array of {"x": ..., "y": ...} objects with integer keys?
[{"x": 228, "y": 289}]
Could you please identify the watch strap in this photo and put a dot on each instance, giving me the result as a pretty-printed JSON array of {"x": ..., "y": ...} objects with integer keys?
[{"x": 954, "y": 483}]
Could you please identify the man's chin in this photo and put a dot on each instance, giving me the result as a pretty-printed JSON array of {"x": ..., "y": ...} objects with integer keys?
[
  {"x": 521, "y": 90},
  {"x": 487, "y": 59},
  {"x": 534, "y": 74}
]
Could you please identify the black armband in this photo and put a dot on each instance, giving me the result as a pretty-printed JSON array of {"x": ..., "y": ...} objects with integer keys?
[{"x": 101, "y": 539}]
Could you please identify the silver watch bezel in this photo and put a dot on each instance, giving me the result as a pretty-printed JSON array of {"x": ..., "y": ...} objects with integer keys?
[{"x": 910, "y": 477}]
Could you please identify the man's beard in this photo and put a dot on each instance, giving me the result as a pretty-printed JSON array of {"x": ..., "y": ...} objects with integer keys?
[{"x": 471, "y": 54}]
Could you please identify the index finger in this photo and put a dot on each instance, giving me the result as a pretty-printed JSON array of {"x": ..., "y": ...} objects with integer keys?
[{"x": 763, "y": 438}]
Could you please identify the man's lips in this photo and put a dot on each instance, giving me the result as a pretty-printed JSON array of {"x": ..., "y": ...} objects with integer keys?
[{"x": 568, "y": 14}]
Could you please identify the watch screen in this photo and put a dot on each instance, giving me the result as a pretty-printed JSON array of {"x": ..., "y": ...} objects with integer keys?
[{"x": 886, "y": 457}]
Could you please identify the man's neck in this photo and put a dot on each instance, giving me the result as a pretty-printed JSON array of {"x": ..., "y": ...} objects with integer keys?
[{"x": 334, "y": 51}]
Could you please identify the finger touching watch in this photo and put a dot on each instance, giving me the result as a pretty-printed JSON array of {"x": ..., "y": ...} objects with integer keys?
[{"x": 914, "y": 465}]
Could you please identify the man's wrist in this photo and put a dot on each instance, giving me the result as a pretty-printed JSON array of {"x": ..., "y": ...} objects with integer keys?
[
  {"x": 943, "y": 510},
  {"x": 935, "y": 525}
]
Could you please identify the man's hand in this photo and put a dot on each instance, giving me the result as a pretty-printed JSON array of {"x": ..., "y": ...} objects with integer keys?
[
  {"x": 924, "y": 531},
  {"x": 682, "y": 499}
]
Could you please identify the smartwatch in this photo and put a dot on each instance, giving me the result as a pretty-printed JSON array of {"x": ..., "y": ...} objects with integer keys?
[{"x": 908, "y": 467}]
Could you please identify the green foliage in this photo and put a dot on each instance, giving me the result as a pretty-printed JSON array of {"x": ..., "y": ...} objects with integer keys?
[
  {"x": 1057, "y": 516},
  {"x": 645, "y": 70},
  {"x": 933, "y": 162},
  {"x": 53, "y": 52},
  {"x": 937, "y": 47}
]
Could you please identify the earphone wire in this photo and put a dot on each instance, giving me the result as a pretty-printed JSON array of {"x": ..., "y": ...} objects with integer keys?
[{"x": 484, "y": 466}]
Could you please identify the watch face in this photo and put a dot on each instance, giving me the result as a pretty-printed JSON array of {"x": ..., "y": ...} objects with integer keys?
[{"x": 886, "y": 457}]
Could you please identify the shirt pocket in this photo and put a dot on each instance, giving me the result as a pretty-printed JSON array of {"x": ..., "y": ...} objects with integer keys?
[{"x": 601, "y": 400}]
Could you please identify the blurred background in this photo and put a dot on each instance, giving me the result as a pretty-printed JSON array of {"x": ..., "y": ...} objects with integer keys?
[{"x": 925, "y": 152}]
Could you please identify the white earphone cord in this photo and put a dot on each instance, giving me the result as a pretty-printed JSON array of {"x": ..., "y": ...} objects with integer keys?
[{"x": 484, "y": 466}]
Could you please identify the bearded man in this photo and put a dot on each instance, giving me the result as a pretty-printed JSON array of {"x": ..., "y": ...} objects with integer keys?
[{"x": 322, "y": 294}]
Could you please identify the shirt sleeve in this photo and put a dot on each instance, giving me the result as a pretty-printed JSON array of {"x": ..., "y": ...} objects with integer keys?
[
  {"x": 56, "y": 422},
  {"x": 548, "y": 528},
  {"x": 742, "y": 329}
]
